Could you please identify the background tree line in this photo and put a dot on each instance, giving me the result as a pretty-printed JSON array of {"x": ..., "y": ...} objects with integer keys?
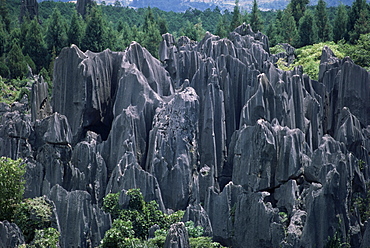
[{"x": 35, "y": 42}]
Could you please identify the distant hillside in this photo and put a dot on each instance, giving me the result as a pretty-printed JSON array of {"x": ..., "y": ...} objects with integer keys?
[{"x": 183, "y": 5}]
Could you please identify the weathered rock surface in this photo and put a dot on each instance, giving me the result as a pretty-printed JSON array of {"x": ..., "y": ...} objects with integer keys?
[
  {"x": 10, "y": 235},
  {"x": 177, "y": 236},
  {"x": 257, "y": 156},
  {"x": 74, "y": 209},
  {"x": 40, "y": 102}
]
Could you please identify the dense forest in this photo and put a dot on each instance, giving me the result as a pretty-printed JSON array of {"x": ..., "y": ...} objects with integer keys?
[{"x": 36, "y": 40}]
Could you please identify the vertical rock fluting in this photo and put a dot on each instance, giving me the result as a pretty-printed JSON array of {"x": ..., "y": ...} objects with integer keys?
[{"x": 258, "y": 156}]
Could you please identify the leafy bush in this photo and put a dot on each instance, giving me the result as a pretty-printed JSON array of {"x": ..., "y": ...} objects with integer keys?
[
  {"x": 203, "y": 242},
  {"x": 32, "y": 215},
  {"x": 309, "y": 58},
  {"x": 45, "y": 238},
  {"x": 12, "y": 186},
  {"x": 140, "y": 214},
  {"x": 110, "y": 205},
  {"x": 277, "y": 49},
  {"x": 119, "y": 235},
  {"x": 194, "y": 231}
]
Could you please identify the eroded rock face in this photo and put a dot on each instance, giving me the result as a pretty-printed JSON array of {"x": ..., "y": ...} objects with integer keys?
[
  {"x": 257, "y": 156},
  {"x": 10, "y": 235},
  {"x": 172, "y": 156},
  {"x": 74, "y": 209},
  {"x": 177, "y": 236}
]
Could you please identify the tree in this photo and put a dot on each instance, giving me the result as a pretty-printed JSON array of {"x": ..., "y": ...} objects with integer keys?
[
  {"x": 307, "y": 29},
  {"x": 323, "y": 26},
  {"x": 12, "y": 185},
  {"x": 289, "y": 30},
  {"x": 3, "y": 37},
  {"x": 162, "y": 25},
  {"x": 75, "y": 31},
  {"x": 189, "y": 31},
  {"x": 16, "y": 62},
  {"x": 236, "y": 18},
  {"x": 340, "y": 23},
  {"x": 271, "y": 32},
  {"x": 95, "y": 38},
  {"x": 148, "y": 20},
  {"x": 4, "y": 14},
  {"x": 298, "y": 7},
  {"x": 56, "y": 35},
  {"x": 34, "y": 45},
  {"x": 255, "y": 18},
  {"x": 362, "y": 25},
  {"x": 152, "y": 39},
  {"x": 220, "y": 28},
  {"x": 354, "y": 15}
]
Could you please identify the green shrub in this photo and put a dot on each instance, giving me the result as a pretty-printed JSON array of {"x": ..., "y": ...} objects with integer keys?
[
  {"x": 277, "y": 49},
  {"x": 110, "y": 205},
  {"x": 136, "y": 200},
  {"x": 142, "y": 215},
  {"x": 11, "y": 185},
  {"x": 159, "y": 239},
  {"x": 119, "y": 235},
  {"x": 194, "y": 231},
  {"x": 203, "y": 242},
  {"x": 309, "y": 58},
  {"x": 32, "y": 215},
  {"x": 45, "y": 238}
]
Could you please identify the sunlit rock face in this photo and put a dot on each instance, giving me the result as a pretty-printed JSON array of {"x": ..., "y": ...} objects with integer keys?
[{"x": 258, "y": 156}]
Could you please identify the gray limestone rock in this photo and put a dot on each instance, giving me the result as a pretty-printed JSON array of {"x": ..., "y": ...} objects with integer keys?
[
  {"x": 252, "y": 211},
  {"x": 84, "y": 87},
  {"x": 74, "y": 209},
  {"x": 199, "y": 216},
  {"x": 40, "y": 103},
  {"x": 275, "y": 158},
  {"x": 266, "y": 156},
  {"x": 224, "y": 202},
  {"x": 10, "y": 235},
  {"x": 128, "y": 175},
  {"x": 347, "y": 86},
  {"x": 33, "y": 176},
  {"x": 172, "y": 156},
  {"x": 87, "y": 159},
  {"x": 177, "y": 236},
  {"x": 15, "y": 131},
  {"x": 366, "y": 240}
]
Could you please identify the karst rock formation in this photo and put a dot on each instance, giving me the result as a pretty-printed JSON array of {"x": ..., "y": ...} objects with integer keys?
[{"x": 258, "y": 156}]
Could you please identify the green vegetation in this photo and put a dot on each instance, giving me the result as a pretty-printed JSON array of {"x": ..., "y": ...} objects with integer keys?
[
  {"x": 32, "y": 215},
  {"x": 134, "y": 222},
  {"x": 361, "y": 203},
  {"x": 309, "y": 58},
  {"x": 12, "y": 186},
  {"x": 48, "y": 237},
  {"x": 131, "y": 224}
]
